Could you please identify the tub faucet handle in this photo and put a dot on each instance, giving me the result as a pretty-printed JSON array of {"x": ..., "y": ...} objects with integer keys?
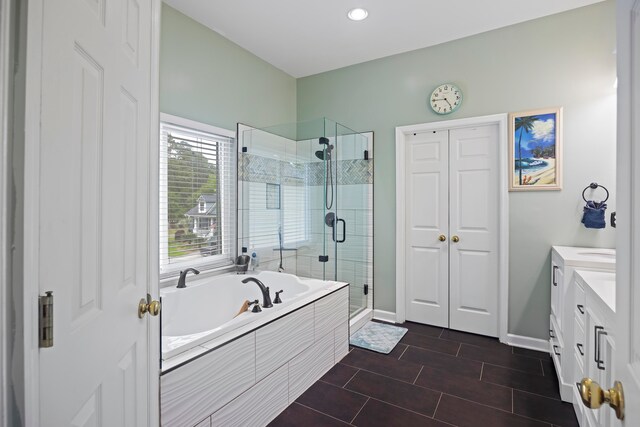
[
  {"x": 256, "y": 306},
  {"x": 278, "y": 300}
]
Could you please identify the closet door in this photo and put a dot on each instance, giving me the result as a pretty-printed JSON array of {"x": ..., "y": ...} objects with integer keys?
[
  {"x": 427, "y": 217},
  {"x": 473, "y": 220}
]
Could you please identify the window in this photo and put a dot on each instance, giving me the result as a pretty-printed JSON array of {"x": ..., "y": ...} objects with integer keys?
[{"x": 197, "y": 195}]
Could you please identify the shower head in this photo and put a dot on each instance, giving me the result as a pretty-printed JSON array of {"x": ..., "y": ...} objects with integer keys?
[
  {"x": 321, "y": 155},
  {"x": 326, "y": 153}
]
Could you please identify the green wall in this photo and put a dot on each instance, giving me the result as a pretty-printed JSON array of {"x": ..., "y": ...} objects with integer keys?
[
  {"x": 562, "y": 60},
  {"x": 207, "y": 78}
]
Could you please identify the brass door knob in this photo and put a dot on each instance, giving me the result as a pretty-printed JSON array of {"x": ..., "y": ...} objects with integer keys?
[
  {"x": 148, "y": 306},
  {"x": 593, "y": 396},
  {"x": 455, "y": 239},
  {"x": 442, "y": 237}
]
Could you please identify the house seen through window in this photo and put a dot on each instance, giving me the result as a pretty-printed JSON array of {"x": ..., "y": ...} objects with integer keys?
[{"x": 197, "y": 195}]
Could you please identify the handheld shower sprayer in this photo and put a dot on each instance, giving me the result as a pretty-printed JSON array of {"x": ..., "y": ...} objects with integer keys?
[{"x": 325, "y": 155}]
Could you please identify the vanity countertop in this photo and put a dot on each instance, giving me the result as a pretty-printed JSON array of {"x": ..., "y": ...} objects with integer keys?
[
  {"x": 596, "y": 258},
  {"x": 603, "y": 284}
]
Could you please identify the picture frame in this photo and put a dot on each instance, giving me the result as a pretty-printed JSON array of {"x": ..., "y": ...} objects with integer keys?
[{"x": 535, "y": 150}]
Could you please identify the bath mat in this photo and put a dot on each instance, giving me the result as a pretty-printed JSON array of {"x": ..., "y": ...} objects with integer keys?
[{"x": 378, "y": 337}]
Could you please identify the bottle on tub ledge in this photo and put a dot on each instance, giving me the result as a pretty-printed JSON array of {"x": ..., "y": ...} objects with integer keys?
[{"x": 255, "y": 259}]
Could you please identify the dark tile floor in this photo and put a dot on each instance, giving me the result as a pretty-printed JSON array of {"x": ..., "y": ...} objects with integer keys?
[{"x": 436, "y": 377}]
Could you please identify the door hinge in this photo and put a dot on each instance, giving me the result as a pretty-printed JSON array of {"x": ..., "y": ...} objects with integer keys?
[
  {"x": 366, "y": 289},
  {"x": 366, "y": 154},
  {"x": 323, "y": 258},
  {"x": 45, "y": 320}
]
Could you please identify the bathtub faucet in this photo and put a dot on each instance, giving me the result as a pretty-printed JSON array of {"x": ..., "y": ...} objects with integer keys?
[
  {"x": 266, "y": 298},
  {"x": 183, "y": 276}
]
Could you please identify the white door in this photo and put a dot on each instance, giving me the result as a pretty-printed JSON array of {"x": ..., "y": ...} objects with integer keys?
[
  {"x": 627, "y": 327},
  {"x": 427, "y": 218},
  {"x": 473, "y": 222},
  {"x": 452, "y": 185},
  {"x": 93, "y": 213}
]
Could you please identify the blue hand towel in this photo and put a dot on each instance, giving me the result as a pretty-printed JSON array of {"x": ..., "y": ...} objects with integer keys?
[{"x": 593, "y": 216}]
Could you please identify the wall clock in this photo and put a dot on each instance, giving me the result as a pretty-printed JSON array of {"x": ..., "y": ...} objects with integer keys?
[{"x": 445, "y": 99}]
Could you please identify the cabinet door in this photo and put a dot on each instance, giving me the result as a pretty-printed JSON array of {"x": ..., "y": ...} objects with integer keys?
[
  {"x": 598, "y": 359},
  {"x": 557, "y": 282}
]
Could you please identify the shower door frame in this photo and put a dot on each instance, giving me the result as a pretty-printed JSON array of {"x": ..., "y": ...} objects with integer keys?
[{"x": 366, "y": 311}]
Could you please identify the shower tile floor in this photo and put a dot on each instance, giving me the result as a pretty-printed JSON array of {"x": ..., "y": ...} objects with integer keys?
[{"x": 436, "y": 377}]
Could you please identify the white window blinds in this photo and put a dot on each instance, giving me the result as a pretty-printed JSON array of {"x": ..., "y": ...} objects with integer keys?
[{"x": 197, "y": 195}]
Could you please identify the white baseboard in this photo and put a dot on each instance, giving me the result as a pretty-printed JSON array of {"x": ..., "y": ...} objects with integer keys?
[
  {"x": 527, "y": 342},
  {"x": 387, "y": 316}
]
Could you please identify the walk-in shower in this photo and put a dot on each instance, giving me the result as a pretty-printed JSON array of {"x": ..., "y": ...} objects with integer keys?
[{"x": 306, "y": 202}]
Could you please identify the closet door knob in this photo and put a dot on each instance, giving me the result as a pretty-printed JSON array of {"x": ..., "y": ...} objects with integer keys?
[
  {"x": 455, "y": 239},
  {"x": 442, "y": 237}
]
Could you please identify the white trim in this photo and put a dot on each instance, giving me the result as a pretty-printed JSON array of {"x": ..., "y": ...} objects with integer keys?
[
  {"x": 32, "y": 211},
  {"x": 192, "y": 124},
  {"x": 386, "y": 316},
  {"x": 503, "y": 241},
  {"x": 5, "y": 85},
  {"x": 360, "y": 320},
  {"x": 213, "y": 262},
  {"x": 527, "y": 342},
  {"x": 153, "y": 269}
]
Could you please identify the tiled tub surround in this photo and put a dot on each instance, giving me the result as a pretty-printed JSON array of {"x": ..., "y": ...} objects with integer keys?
[{"x": 247, "y": 377}]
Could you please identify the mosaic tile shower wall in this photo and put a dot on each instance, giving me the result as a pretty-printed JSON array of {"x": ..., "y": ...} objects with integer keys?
[{"x": 255, "y": 168}]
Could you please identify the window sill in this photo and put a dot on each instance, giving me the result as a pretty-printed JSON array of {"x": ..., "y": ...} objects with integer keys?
[{"x": 171, "y": 278}]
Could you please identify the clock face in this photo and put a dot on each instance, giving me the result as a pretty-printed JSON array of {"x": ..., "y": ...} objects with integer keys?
[{"x": 445, "y": 99}]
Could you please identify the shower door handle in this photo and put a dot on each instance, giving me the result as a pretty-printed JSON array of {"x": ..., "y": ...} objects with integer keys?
[{"x": 344, "y": 230}]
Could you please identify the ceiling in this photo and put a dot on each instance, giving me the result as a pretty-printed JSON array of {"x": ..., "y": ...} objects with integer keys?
[{"x": 305, "y": 37}]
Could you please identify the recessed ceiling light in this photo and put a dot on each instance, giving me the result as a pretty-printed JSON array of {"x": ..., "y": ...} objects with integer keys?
[{"x": 357, "y": 14}]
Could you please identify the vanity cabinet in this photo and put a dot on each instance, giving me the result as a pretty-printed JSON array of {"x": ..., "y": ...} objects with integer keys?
[
  {"x": 564, "y": 297},
  {"x": 594, "y": 349}
]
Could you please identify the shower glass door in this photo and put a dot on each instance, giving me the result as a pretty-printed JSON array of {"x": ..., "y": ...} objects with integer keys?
[
  {"x": 305, "y": 202},
  {"x": 354, "y": 185}
]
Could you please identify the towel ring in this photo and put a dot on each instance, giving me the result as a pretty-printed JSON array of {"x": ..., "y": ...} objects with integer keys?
[{"x": 593, "y": 186}]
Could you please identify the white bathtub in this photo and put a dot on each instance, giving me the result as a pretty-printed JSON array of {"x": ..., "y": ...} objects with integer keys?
[{"x": 206, "y": 309}]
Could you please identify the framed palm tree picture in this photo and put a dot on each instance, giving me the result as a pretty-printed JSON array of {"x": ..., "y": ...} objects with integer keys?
[{"x": 535, "y": 150}]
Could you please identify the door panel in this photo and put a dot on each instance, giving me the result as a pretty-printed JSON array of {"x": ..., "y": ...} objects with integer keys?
[
  {"x": 94, "y": 196},
  {"x": 627, "y": 325},
  {"x": 474, "y": 298},
  {"x": 473, "y": 217},
  {"x": 427, "y": 218}
]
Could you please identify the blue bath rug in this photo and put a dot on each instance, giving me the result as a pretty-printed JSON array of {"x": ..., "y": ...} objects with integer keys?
[{"x": 378, "y": 337}]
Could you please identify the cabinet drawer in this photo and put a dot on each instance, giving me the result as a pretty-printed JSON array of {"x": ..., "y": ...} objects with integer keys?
[
  {"x": 580, "y": 342},
  {"x": 579, "y": 302},
  {"x": 578, "y": 406},
  {"x": 555, "y": 334},
  {"x": 555, "y": 345}
]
